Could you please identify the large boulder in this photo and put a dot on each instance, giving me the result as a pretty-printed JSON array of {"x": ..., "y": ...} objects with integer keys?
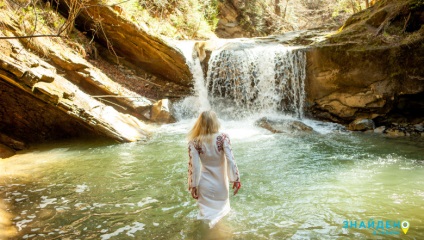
[
  {"x": 161, "y": 112},
  {"x": 362, "y": 125},
  {"x": 283, "y": 125},
  {"x": 38, "y": 104}
]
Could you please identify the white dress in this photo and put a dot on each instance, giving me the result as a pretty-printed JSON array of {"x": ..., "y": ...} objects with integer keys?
[{"x": 211, "y": 166}]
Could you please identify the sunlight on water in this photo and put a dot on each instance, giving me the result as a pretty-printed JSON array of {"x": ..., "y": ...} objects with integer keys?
[{"x": 294, "y": 186}]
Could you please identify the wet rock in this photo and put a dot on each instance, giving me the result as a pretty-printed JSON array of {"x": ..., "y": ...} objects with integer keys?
[
  {"x": 12, "y": 142},
  {"x": 361, "y": 125},
  {"x": 395, "y": 133},
  {"x": 379, "y": 129},
  {"x": 5, "y": 151},
  {"x": 283, "y": 125},
  {"x": 161, "y": 112},
  {"x": 419, "y": 127},
  {"x": 405, "y": 129}
]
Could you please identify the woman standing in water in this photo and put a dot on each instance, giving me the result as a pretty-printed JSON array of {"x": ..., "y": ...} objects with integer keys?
[{"x": 211, "y": 166}]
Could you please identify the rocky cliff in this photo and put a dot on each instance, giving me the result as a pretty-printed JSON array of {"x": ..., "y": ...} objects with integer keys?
[
  {"x": 372, "y": 68},
  {"x": 51, "y": 91},
  {"x": 132, "y": 43}
]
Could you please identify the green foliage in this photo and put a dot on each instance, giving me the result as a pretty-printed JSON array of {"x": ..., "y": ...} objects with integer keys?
[{"x": 210, "y": 12}]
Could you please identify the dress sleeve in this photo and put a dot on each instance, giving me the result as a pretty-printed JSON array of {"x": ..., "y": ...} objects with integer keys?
[
  {"x": 232, "y": 170},
  {"x": 193, "y": 166}
]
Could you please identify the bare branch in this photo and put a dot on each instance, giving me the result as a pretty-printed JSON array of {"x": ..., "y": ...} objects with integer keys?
[{"x": 31, "y": 36}]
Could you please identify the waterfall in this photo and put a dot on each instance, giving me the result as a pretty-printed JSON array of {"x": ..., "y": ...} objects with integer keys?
[
  {"x": 193, "y": 105},
  {"x": 254, "y": 78},
  {"x": 245, "y": 78}
]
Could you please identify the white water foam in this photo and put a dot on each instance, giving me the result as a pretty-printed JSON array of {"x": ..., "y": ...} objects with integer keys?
[
  {"x": 250, "y": 78},
  {"x": 247, "y": 81},
  {"x": 130, "y": 230},
  {"x": 199, "y": 102},
  {"x": 82, "y": 188}
]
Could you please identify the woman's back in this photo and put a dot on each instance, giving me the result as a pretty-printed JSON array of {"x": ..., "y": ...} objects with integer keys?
[{"x": 211, "y": 167}]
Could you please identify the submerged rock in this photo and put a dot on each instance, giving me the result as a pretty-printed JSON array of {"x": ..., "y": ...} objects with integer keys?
[
  {"x": 380, "y": 129},
  {"x": 405, "y": 129},
  {"x": 283, "y": 125},
  {"x": 395, "y": 133},
  {"x": 362, "y": 124}
]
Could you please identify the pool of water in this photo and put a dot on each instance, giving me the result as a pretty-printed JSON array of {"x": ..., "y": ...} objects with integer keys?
[{"x": 297, "y": 186}]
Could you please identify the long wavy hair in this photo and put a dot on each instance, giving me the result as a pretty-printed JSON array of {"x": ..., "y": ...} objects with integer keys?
[{"x": 206, "y": 125}]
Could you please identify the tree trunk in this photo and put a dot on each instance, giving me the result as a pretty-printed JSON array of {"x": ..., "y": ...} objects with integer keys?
[
  {"x": 367, "y": 4},
  {"x": 285, "y": 9},
  {"x": 277, "y": 8}
]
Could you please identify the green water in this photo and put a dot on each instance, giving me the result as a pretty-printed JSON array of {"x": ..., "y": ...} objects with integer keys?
[{"x": 297, "y": 186}]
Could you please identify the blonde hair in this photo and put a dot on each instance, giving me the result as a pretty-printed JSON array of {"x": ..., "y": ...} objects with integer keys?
[{"x": 206, "y": 125}]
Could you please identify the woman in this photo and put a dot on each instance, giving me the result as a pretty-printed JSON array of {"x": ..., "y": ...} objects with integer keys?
[{"x": 211, "y": 165}]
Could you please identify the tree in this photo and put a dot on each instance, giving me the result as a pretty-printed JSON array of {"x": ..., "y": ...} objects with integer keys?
[{"x": 277, "y": 8}]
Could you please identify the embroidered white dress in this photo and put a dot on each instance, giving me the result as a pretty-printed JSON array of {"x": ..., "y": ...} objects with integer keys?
[{"x": 211, "y": 166}]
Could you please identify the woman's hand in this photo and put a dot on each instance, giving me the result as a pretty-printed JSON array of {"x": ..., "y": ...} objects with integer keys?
[
  {"x": 237, "y": 186},
  {"x": 194, "y": 193}
]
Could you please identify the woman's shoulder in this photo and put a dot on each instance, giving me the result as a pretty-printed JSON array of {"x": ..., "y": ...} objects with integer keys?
[{"x": 222, "y": 136}]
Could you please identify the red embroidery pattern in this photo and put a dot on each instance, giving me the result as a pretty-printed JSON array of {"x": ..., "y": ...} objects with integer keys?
[
  {"x": 198, "y": 146},
  {"x": 220, "y": 141},
  {"x": 190, "y": 169},
  {"x": 199, "y": 149}
]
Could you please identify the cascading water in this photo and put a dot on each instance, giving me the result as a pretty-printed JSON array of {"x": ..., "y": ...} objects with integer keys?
[
  {"x": 257, "y": 79},
  {"x": 192, "y": 105},
  {"x": 246, "y": 78}
]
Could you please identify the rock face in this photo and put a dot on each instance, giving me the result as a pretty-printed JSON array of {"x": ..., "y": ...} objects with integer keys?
[
  {"x": 38, "y": 104},
  {"x": 131, "y": 42},
  {"x": 283, "y": 125},
  {"x": 229, "y": 15},
  {"x": 361, "y": 73}
]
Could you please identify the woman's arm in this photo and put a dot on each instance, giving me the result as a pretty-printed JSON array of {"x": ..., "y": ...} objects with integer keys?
[
  {"x": 232, "y": 169},
  {"x": 193, "y": 169}
]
